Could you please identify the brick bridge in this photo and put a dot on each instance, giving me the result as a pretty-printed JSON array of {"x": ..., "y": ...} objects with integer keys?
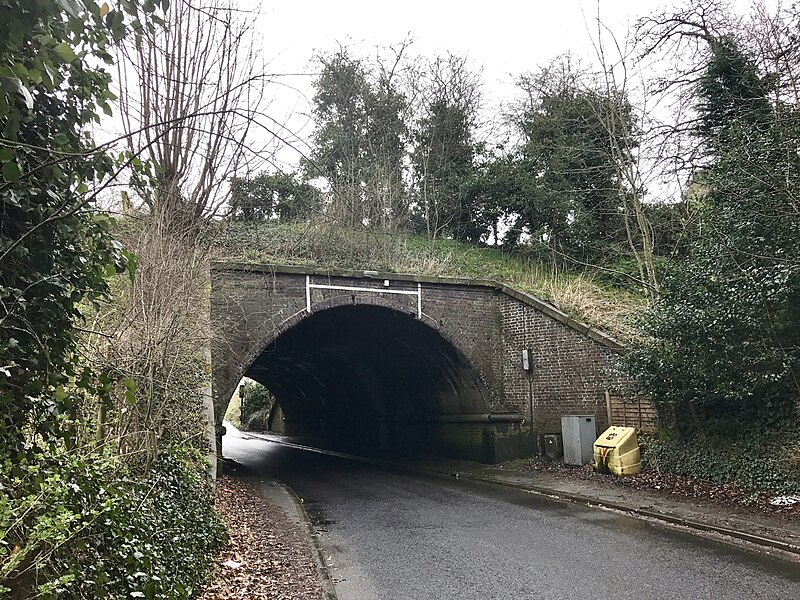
[{"x": 366, "y": 359}]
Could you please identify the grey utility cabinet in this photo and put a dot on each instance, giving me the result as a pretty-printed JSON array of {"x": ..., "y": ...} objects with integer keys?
[{"x": 578, "y": 433}]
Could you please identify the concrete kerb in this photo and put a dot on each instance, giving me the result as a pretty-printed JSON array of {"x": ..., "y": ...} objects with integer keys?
[
  {"x": 716, "y": 532},
  {"x": 328, "y": 589},
  {"x": 690, "y": 524}
]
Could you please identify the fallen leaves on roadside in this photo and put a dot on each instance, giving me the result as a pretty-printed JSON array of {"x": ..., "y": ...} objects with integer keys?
[
  {"x": 267, "y": 557},
  {"x": 668, "y": 484}
]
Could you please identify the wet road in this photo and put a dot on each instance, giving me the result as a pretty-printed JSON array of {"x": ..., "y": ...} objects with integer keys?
[{"x": 397, "y": 536}]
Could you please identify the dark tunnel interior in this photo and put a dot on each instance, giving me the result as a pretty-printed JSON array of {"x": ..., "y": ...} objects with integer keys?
[{"x": 362, "y": 377}]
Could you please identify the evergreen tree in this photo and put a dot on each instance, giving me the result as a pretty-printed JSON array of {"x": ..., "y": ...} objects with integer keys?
[
  {"x": 573, "y": 202},
  {"x": 269, "y": 196},
  {"x": 359, "y": 142},
  {"x": 722, "y": 342},
  {"x": 445, "y": 150}
]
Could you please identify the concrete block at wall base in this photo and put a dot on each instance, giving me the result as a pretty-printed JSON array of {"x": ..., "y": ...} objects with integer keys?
[{"x": 488, "y": 443}]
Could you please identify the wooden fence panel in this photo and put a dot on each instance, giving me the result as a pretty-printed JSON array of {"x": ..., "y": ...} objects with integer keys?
[{"x": 639, "y": 413}]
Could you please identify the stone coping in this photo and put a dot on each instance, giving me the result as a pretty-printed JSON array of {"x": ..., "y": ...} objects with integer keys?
[{"x": 548, "y": 309}]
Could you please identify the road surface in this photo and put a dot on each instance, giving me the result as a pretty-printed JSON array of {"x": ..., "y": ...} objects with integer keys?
[{"x": 390, "y": 535}]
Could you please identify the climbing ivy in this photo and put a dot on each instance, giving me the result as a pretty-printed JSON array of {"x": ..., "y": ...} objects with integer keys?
[
  {"x": 758, "y": 460},
  {"x": 256, "y": 404},
  {"x": 719, "y": 352},
  {"x": 55, "y": 249},
  {"x": 84, "y": 527},
  {"x": 74, "y": 521}
]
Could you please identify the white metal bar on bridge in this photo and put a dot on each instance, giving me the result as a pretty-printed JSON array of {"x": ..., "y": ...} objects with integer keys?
[
  {"x": 362, "y": 289},
  {"x": 347, "y": 288}
]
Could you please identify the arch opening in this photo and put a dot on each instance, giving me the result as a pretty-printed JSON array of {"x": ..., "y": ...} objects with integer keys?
[{"x": 365, "y": 377}]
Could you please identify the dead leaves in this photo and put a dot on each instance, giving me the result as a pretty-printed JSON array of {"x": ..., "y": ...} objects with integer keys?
[{"x": 268, "y": 556}]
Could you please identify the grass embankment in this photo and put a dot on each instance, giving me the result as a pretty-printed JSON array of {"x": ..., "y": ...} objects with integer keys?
[{"x": 581, "y": 295}]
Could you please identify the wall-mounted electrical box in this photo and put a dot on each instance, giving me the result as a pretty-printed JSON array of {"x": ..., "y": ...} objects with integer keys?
[{"x": 527, "y": 359}]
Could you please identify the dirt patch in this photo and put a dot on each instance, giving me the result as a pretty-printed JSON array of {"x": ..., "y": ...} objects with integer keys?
[{"x": 268, "y": 555}]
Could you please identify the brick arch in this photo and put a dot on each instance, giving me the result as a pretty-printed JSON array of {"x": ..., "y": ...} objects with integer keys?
[
  {"x": 371, "y": 374},
  {"x": 345, "y": 300},
  {"x": 269, "y": 338}
]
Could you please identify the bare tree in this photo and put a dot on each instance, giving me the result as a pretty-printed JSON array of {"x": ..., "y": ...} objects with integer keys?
[
  {"x": 675, "y": 43},
  {"x": 152, "y": 338},
  {"x": 190, "y": 93},
  {"x": 771, "y": 35},
  {"x": 191, "y": 90},
  {"x": 625, "y": 145}
]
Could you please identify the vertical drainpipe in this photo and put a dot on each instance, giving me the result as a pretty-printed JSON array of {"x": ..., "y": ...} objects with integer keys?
[{"x": 527, "y": 339}]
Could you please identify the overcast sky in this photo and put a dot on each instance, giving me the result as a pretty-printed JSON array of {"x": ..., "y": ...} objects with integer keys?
[{"x": 504, "y": 38}]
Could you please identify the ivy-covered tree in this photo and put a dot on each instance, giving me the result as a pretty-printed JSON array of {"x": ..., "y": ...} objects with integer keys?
[
  {"x": 55, "y": 250},
  {"x": 572, "y": 202},
  {"x": 445, "y": 150},
  {"x": 359, "y": 141},
  {"x": 721, "y": 346},
  {"x": 494, "y": 187},
  {"x": 269, "y": 196},
  {"x": 74, "y": 523}
]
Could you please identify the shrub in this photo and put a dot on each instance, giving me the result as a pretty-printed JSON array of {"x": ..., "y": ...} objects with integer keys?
[
  {"x": 759, "y": 460},
  {"x": 83, "y": 527},
  {"x": 256, "y": 403}
]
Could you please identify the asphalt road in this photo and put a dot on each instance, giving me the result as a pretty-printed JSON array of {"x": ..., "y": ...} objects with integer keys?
[{"x": 390, "y": 535}]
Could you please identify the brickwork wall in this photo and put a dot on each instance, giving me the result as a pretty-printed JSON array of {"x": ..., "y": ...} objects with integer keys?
[
  {"x": 571, "y": 370},
  {"x": 251, "y": 308},
  {"x": 469, "y": 317},
  {"x": 247, "y": 310}
]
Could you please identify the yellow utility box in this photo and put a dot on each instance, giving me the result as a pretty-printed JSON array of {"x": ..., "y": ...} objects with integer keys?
[{"x": 617, "y": 452}]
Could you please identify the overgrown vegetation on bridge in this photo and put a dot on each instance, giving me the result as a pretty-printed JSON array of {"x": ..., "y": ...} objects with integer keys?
[{"x": 591, "y": 297}]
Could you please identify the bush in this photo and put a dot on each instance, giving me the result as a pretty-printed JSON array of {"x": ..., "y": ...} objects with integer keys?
[
  {"x": 759, "y": 461},
  {"x": 84, "y": 527},
  {"x": 256, "y": 403},
  {"x": 623, "y": 272},
  {"x": 718, "y": 350}
]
